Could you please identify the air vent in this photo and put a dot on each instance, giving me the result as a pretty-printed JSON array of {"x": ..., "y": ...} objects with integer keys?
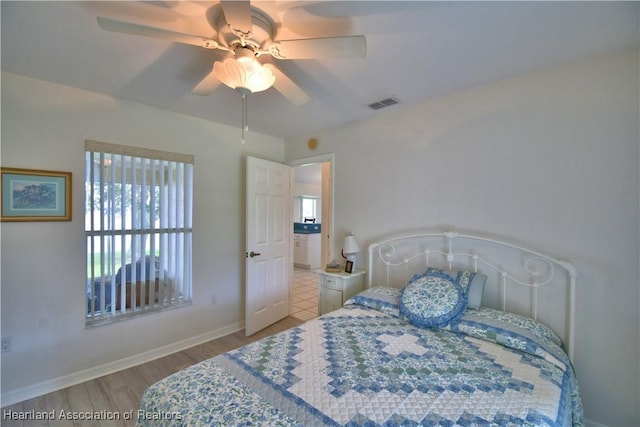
[{"x": 388, "y": 102}]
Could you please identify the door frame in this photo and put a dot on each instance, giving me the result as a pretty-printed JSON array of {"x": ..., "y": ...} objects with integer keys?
[{"x": 321, "y": 158}]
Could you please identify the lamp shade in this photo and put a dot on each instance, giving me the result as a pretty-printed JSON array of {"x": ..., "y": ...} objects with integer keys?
[
  {"x": 351, "y": 245},
  {"x": 244, "y": 72}
]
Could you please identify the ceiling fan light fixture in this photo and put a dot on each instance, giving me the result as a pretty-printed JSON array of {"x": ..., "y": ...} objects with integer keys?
[
  {"x": 244, "y": 71},
  {"x": 244, "y": 32},
  {"x": 246, "y": 74}
]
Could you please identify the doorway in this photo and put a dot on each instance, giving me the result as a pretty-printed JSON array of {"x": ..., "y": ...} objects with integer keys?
[{"x": 312, "y": 208}]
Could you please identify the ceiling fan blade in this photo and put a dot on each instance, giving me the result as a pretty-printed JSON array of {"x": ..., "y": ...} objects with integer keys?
[
  {"x": 320, "y": 48},
  {"x": 238, "y": 15},
  {"x": 207, "y": 85},
  {"x": 114, "y": 25},
  {"x": 287, "y": 87}
]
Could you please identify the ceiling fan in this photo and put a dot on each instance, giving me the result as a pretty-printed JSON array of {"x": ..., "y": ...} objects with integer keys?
[{"x": 245, "y": 33}]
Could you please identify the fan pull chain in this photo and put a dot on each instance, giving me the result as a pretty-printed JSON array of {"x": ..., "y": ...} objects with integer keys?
[
  {"x": 245, "y": 125},
  {"x": 244, "y": 92}
]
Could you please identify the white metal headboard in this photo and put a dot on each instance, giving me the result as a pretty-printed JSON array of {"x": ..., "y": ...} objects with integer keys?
[{"x": 510, "y": 270}]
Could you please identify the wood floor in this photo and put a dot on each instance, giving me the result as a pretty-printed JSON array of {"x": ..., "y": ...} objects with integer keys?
[{"x": 120, "y": 393}]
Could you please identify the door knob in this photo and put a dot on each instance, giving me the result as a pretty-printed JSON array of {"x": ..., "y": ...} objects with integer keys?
[{"x": 252, "y": 254}]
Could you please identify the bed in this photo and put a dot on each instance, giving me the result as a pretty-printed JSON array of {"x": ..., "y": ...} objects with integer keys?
[{"x": 453, "y": 329}]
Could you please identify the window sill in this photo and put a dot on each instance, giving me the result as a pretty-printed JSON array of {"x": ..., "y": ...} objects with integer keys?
[{"x": 111, "y": 319}]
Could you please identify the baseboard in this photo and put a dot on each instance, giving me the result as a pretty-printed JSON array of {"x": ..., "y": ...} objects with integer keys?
[{"x": 29, "y": 392}]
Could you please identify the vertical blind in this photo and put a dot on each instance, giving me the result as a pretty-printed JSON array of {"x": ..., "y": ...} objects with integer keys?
[{"x": 138, "y": 227}]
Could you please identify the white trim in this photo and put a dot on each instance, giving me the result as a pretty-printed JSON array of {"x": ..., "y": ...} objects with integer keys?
[{"x": 29, "y": 392}]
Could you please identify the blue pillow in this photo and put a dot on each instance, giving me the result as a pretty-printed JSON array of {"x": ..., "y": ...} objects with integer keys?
[
  {"x": 381, "y": 298},
  {"x": 434, "y": 298},
  {"x": 475, "y": 289}
]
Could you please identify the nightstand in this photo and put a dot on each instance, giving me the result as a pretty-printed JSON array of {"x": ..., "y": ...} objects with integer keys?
[{"x": 336, "y": 288}]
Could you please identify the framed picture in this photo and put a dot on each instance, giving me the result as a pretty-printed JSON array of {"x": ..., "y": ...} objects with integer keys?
[
  {"x": 35, "y": 195},
  {"x": 348, "y": 267}
]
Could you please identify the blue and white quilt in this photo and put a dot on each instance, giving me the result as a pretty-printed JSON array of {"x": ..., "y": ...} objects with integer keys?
[{"x": 366, "y": 365}]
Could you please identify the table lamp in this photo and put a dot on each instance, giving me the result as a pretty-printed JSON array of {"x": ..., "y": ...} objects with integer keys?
[{"x": 349, "y": 251}]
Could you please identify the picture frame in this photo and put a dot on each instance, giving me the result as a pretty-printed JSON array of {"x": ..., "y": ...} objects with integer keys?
[
  {"x": 348, "y": 267},
  {"x": 34, "y": 195}
]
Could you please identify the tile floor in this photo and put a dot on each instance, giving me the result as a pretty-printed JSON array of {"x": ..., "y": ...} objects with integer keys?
[{"x": 305, "y": 294}]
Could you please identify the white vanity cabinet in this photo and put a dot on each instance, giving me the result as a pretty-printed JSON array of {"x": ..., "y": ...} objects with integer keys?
[{"x": 306, "y": 250}]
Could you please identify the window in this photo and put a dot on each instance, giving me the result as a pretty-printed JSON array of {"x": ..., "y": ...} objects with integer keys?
[
  {"x": 308, "y": 208},
  {"x": 138, "y": 223}
]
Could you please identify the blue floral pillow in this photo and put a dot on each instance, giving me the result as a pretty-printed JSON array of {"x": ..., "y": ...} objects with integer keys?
[
  {"x": 434, "y": 299},
  {"x": 381, "y": 298}
]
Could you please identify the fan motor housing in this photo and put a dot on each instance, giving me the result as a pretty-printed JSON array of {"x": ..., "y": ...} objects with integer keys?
[{"x": 262, "y": 32}]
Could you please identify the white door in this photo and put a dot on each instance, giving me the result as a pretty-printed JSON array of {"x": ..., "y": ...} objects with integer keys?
[{"x": 269, "y": 229}]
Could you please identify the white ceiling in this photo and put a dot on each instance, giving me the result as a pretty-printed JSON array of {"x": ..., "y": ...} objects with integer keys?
[{"x": 416, "y": 51}]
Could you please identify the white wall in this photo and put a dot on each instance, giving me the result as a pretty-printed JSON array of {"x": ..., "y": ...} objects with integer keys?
[
  {"x": 44, "y": 126},
  {"x": 549, "y": 159},
  {"x": 304, "y": 189}
]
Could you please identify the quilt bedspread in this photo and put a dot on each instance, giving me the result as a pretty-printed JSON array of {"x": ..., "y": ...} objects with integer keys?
[{"x": 362, "y": 366}]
